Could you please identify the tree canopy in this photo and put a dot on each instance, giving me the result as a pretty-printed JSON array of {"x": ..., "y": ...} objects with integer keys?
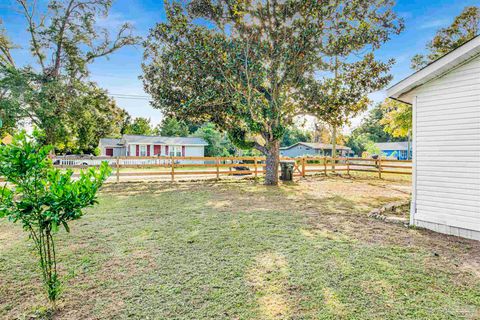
[
  {"x": 372, "y": 129},
  {"x": 294, "y": 135},
  {"x": 255, "y": 64},
  {"x": 172, "y": 127},
  {"x": 464, "y": 27},
  {"x": 139, "y": 126},
  {"x": 218, "y": 143},
  {"x": 397, "y": 118}
]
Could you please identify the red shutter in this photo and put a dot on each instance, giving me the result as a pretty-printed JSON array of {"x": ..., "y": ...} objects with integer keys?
[
  {"x": 138, "y": 150},
  {"x": 148, "y": 151},
  {"x": 109, "y": 152},
  {"x": 183, "y": 151},
  {"x": 166, "y": 150},
  {"x": 157, "y": 150}
]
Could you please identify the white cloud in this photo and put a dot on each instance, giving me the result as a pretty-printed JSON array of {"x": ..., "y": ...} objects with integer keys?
[
  {"x": 435, "y": 23},
  {"x": 113, "y": 21}
]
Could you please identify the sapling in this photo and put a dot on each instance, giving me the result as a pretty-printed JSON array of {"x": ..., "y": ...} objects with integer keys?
[{"x": 43, "y": 198}]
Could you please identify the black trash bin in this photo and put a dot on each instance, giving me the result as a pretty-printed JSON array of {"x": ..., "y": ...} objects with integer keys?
[{"x": 287, "y": 170}]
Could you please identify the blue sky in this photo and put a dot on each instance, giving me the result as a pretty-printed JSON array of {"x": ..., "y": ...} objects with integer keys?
[{"x": 119, "y": 74}]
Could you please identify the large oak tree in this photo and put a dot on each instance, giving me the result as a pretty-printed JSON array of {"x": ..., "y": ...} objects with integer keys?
[
  {"x": 249, "y": 66},
  {"x": 52, "y": 91}
]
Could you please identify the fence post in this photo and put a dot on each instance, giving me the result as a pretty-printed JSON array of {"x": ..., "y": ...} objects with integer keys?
[
  {"x": 379, "y": 167},
  {"x": 325, "y": 165},
  {"x": 255, "y": 166},
  {"x": 303, "y": 167},
  {"x": 173, "y": 168},
  {"x": 348, "y": 166},
  {"x": 217, "y": 162},
  {"x": 118, "y": 169}
]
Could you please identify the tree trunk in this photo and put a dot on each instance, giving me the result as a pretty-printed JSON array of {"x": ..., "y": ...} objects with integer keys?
[
  {"x": 334, "y": 146},
  {"x": 273, "y": 159}
]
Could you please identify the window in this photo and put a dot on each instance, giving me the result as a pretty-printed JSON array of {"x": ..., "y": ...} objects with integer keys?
[
  {"x": 143, "y": 151},
  {"x": 175, "y": 151}
]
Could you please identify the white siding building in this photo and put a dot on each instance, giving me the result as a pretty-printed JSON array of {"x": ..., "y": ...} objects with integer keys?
[
  {"x": 147, "y": 146},
  {"x": 445, "y": 97}
]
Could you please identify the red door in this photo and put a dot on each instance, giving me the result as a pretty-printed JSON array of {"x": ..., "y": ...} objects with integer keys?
[
  {"x": 183, "y": 151},
  {"x": 109, "y": 152},
  {"x": 156, "y": 150}
]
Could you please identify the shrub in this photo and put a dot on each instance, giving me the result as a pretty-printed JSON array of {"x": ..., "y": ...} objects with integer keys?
[{"x": 43, "y": 198}]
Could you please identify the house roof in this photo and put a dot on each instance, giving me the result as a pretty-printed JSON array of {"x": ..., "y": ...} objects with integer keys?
[
  {"x": 392, "y": 145},
  {"x": 110, "y": 142},
  {"x": 435, "y": 69},
  {"x": 314, "y": 145},
  {"x": 164, "y": 140}
]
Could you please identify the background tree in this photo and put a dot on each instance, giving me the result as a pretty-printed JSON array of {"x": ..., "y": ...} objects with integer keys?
[
  {"x": 294, "y": 135},
  {"x": 465, "y": 26},
  {"x": 43, "y": 199},
  {"x": 372, "y": 125},
  {"x": 321, "y": 132},
  {"x": 172, "y": 127},
  {"x": 139, "y": 126},
  {"x": 218, "y": 143},
  {"x": 99, "y": 117},
  {"x": 342, "y": 92},
  {"x": 248, "y": 71},
  {"x": 371, "y": 129},
  {"x": 64, "y": 40},
  {"x": 397, "y": 118}
]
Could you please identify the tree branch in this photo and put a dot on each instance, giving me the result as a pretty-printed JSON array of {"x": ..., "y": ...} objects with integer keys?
[{"x": 32, "y": 30}]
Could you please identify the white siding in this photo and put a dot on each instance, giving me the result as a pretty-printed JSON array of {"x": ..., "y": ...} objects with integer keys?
[
  {"x": 193, "y": 151},
  {"x": 133, "y": 150},
  {"x": 447, "y": 152}
]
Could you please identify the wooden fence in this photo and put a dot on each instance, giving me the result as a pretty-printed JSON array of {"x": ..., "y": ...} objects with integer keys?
[{"x": 174, "y": 167}]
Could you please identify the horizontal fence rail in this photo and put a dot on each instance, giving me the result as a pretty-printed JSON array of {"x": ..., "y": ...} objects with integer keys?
[{"x": 231, "y": 166}]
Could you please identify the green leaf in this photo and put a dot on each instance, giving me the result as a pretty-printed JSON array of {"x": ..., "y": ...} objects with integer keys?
[{"x": 54, "y": 226}]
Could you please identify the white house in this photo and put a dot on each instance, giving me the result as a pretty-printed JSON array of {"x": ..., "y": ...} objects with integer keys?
[
  {"x": 445, "y": 96},
  {"x": 313, "y": 149},
  {"x": 145, "y": 146}
]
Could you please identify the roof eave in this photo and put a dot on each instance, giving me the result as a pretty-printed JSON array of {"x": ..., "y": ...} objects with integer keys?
[{"x": 439, "y": 67}]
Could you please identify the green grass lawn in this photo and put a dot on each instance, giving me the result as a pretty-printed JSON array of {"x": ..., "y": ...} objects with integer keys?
[{"x": 240, "y": 250}]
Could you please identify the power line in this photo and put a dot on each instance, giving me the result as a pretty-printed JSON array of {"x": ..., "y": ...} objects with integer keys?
[{"x": 129, "y": 96}]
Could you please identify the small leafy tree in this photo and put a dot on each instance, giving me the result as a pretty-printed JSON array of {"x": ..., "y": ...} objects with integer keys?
[{"x": 42, "y": 198}]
